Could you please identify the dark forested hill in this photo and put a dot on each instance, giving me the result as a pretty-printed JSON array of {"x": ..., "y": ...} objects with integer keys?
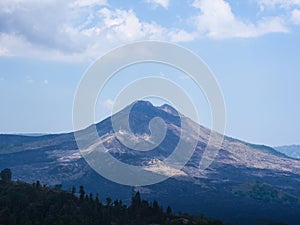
[{"x": 33, "y": 204}]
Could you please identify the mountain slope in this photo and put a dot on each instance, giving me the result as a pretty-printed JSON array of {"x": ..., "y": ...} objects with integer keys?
[
  {"x": 55, "y": 159},
  {"x": 290, "y": 150},
  {"x": 22, "y": 203}
]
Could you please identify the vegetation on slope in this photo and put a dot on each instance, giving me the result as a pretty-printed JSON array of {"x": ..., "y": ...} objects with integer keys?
[
  {"x": 30, "y": 204},
  {"x": 264, "y": 192}
]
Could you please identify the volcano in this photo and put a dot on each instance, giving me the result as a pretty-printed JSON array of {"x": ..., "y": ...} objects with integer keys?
[{"x": 244, "y": 184}]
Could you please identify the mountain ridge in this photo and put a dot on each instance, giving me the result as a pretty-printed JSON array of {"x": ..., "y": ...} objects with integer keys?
[
  {"x": 292, "y": 151},
  {"x": 55, "y": 159},
  {"x": 21, "y": 138}
]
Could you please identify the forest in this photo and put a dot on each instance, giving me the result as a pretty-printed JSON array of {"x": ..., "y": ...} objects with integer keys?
[{"x": 36, "y": 204}]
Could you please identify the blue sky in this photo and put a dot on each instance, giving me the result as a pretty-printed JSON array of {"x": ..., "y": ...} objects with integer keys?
[{"x": 251, "y": 46}]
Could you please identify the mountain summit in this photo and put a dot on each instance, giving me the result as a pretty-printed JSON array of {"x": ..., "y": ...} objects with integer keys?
[{"x": 244, "y": 183}]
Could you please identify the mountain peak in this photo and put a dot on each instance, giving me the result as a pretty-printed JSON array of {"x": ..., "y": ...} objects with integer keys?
[
  {"x": 147, "y": 105},
  {"x": 169, "y": 109},
  {"x": 143, "y": 103},
  {"x": 234, "y": 167}
]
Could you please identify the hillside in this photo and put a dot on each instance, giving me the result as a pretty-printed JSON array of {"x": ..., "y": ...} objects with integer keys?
[
  {"x": 290, "y": 150},
  {"x": 28, "y": 204},
  {"x": 218, "y": 192}
]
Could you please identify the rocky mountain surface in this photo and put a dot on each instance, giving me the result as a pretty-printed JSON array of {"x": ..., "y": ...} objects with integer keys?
[{"x": 245, "y": 184}]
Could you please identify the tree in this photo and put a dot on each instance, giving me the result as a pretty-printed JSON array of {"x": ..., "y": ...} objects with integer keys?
[
  {"x": 136, "y": 200},
  {"x": 73, "y": 190},
  {"x": 169, "y": 210},
  {"x": 97, "y": 198},
  {"x": 81, "y": 192},
  {"x": 91, "y": 197},
  {"x": 155, "y": 206},
  {"x": 6, "y": 174},
  {"x": 108, "y": 201},
  {"x": 58, "y": 187},
  {"x": 38, "y": 184}
]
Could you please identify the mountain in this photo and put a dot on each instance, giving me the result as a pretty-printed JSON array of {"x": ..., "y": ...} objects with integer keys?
[
  {"x": 245, "y": 184},
  {"x": 290, "y": 150}
]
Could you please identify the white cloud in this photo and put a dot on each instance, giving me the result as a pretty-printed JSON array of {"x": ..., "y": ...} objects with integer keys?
[
  {"x": 16, "y": 45},
  {"x": 296, "y": 16},
  {"x": 216, "y": 20},
  {"x": 182, "y": 36},
  {"x": 36, "y": 24},
  {"x": 122, "y": 24},
  {"x": 46, "y": 82},
  {"x": 162, "y": 3},
  {"x": 75, "y": 30},
  {"x": 86, "y": 3},
  {"x": 108, "y": 104},
  {"x": 4, "y": 51},
  {"x": 29, "y": 80},
  {"x": 267, "y": 4},
  {"x": 48, "y": 30}
]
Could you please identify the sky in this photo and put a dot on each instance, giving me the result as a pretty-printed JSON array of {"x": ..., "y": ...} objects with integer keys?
[{"x": 251, "y": 46}]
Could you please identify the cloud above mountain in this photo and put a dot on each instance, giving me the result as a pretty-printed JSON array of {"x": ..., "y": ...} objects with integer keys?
[{"x": 80, "y": 30}]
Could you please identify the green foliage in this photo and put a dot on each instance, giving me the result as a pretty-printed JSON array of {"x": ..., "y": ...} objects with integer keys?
[
  {"x": 6, "y": 174},
  {"x": 266, "y": 222},
  {"x": 81, "y": 192},
  {"x": 264, "y": 192},
  {"x": 73, "y": 191},
  {"x": 58, "y": 186},
  {"x": 169, "y": 210},
  {"x": 26, "y": 204}
]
